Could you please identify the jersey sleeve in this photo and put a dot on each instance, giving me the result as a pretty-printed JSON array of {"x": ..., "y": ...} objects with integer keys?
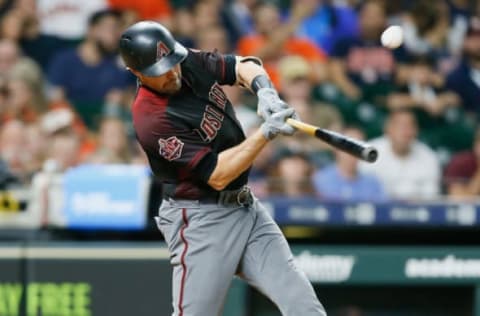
[{"x": 221, "y": 66}]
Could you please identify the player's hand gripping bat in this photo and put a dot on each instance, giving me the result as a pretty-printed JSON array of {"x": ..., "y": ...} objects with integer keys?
[{"x": 352, "y": 146}]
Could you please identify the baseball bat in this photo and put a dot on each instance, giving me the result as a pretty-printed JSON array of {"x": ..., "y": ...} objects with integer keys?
[{"x": 357, "y": 148}]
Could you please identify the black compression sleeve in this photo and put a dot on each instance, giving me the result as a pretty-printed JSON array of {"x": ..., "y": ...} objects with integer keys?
[{"x": 261, "y": 81}]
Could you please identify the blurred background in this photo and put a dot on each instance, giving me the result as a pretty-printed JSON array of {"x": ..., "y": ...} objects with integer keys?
[{"x": 395, "y": 238}]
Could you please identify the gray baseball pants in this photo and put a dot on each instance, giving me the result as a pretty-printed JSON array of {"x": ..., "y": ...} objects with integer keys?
[{"x": 210, "y": 243}]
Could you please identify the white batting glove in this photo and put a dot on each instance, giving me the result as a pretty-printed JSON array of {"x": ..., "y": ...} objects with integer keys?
[
  {"x": 269, "y": 102},
  {"x": 276, "y": 124}
]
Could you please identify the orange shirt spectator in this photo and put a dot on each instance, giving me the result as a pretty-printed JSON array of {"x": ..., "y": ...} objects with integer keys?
[
  {"x": 145, "y": 9},
  {"x": 60, "y": 117},
  {"x": 275, "y": 39},
  {"x": 249, "y": 45}
]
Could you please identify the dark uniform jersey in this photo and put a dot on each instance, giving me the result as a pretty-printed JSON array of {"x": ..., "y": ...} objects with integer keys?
[{"x": 182, "y": 134}]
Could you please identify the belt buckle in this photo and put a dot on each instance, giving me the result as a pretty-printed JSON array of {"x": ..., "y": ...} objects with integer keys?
[{"x": 244, "y": 197}]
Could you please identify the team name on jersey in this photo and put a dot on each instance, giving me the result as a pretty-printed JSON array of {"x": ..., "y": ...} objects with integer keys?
[
  {"x": 217, "y": 96},
  {"x": 213, "y": 116}
]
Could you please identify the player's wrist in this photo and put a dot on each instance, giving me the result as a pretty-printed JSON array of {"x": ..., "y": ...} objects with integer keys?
[
  {"x": 261, "y": 82},
  {"x": 268, "y": 132}
]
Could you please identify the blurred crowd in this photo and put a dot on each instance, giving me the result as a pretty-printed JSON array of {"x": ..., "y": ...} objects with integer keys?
[{"x": 65, "y": 95}]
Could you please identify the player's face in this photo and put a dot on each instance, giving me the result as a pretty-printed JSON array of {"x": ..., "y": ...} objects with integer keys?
[{"x": 169, "y": 82}]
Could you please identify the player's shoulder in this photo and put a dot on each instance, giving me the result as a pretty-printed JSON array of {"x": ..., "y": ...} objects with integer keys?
[
  {"x": 193, "y": 60},
  {"x": 146, "y": 100},
  {"x": 193, "y": 54},
  {"x": 203, "y": 57}
]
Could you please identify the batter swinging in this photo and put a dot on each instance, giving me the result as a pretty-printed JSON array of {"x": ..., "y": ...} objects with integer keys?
[{"x": 214, "y": 227}]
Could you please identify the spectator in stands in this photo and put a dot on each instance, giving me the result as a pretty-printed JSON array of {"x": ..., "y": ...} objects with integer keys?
[
  {"x": 22, "y": 103},
  {"x": 9, "y": 56},
  {"x": 36, "y": 146},
  {"x": 157, "y": 10},
  {"x": 465, "y": 79},
  {"x": 296, "y": 89},
  {"x": 361, "y": 67},
  {"x": 183, "y": 28},
  {"x": 13, "y": 151},
  {"x": 343, "y": 181},
  {"x": 296, "y": 86},
  {"x": 207, "y": 13},
  {"x": 13, "y": 64},
  {"x": 291, "y": 175},
  {"x": 212, "y": 38},
  {"x": 240, "y": 13},
  {"x": 422, "y": 90},
  {"x": 139, "y": 157},
  {"x": 460, "y": 13},
  {"x": 113, "y": 145},
  {"x": 62, "y": 120},
  {"x": 407, "y": 168},
  {"x": 67, "y": 19},
  {"x": 328, "y": 22},
  {"x": 275, "y": 39},
  {"x": 462, "y": 174},
  {"x": 247, "y": 117},
  {"x": 426, "y": 29},
  {"x": 22, "y": 25},
  {"x": 63, "y": 152},
  {"x": 90, "y": 74}
]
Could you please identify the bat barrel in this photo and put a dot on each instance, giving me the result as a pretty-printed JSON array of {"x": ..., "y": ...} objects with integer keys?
[
  {"x": 357, "y": 148},
  {"x": 352, "y": 146},
  {"x": 369, "y": 154}
]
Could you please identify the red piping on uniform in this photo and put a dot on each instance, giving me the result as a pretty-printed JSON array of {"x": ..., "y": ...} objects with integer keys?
[{"x": 182, "y": 260}]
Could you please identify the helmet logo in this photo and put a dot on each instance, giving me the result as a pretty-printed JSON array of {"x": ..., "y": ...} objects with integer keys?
[{"x": 162, "y": 50}]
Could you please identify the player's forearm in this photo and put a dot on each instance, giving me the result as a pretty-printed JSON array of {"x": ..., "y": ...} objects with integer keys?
[
  {"x": 247, "y": 71},
  {"x": 232, "y": 162}
]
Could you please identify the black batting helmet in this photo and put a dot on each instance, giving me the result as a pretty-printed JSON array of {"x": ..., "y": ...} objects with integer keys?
[{"x": 150, "y": 48}]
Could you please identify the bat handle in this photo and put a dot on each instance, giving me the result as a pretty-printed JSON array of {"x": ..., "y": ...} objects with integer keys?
[{"x": 304, "y": 127}]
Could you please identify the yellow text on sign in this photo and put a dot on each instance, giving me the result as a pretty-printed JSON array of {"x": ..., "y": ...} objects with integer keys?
[{"x": 46, "y": 299}]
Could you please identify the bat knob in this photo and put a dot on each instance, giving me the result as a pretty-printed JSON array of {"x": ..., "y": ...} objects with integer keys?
[{"x": 370, "y": 154}]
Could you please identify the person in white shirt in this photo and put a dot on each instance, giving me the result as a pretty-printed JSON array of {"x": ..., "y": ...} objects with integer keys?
[
  {"x": 67, "y": 19},
  {"x": 407, "y": 168}
]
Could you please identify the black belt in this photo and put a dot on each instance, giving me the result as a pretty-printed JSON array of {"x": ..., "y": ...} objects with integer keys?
[{"x": 239, "y": 197}]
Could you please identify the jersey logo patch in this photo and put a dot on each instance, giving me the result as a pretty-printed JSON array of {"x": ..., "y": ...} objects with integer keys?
[
  {"x": 162, "y": 50},
  {"x": 170, "y": 148}
]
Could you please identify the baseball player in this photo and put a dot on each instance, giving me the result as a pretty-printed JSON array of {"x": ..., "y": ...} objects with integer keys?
[{"x": 213, "y": 225}]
